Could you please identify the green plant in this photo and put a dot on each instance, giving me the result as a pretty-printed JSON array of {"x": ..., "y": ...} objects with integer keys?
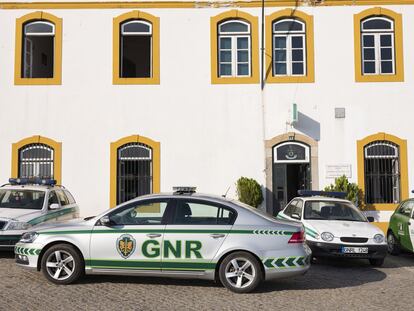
[
  {"x": 249, "y": 191},
  {"x": 354, "y": 193}
]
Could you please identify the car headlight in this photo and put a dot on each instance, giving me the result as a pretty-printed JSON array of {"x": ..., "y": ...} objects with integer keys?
[
  {"x": 14, "y": 225},
  {"x": 327, "y": 236},
  {"x": 378, "y": 238},
  {"x": 29, "y": 237}
]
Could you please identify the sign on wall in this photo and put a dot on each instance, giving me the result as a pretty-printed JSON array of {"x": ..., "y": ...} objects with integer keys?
[
  {"x": 291, "y": 152},
  {"x": 338, "y": 170}
]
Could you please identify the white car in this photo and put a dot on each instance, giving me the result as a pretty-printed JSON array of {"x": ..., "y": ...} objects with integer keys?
[
  {"x": 28, "y": 202},
  {"x": 336, "y": 228}
]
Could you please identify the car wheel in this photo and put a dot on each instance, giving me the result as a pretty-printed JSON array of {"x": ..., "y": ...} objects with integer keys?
[
  {"x": 62, "y": 264},
  {"x": 393, "y": 244},
  {"x": 240, "y": 272},
  {"x": 377, "y": 262}
]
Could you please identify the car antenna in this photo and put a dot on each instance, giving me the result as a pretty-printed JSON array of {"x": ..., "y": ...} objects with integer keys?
[{"x": 224, "y": 195}]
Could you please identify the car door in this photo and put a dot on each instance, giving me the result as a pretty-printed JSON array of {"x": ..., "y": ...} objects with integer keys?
[
  {"x": 402, "y": 219},
  {"x": 133, "y": 238},
  {"x": 197, "y": 230}
]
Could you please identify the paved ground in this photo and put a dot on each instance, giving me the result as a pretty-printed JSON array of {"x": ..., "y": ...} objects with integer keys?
[{"x": 337, "y": 285}]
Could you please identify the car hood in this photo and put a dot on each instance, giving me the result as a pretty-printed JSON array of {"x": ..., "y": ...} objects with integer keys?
[
  {"x": 345, "y": 228},
  {"x": 19, "y": 213},
  {"x": 74, "y": 224}
]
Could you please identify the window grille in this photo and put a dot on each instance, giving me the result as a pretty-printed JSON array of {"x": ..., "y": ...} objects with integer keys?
[{"x": 36, "y": 160}]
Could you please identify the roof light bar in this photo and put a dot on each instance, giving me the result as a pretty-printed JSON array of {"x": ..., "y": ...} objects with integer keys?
[
  {"x": 333, "y": 194},
  {"x": 32, "y": 181},
  {"x": 182, "y": 190}
]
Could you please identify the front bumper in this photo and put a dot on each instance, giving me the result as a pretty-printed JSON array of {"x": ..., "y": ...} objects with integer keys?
[
  {"x": 321, "y": 249},
  {"x": 7, "y": 241},
  {"x": 27, "y": 254}
]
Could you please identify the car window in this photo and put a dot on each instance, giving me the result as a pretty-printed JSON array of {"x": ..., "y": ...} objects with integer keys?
[
  {"x": 62, "y": 198},
  {"x": 70, "y": 197},
  {"x": 290, "y": 208},
  {"x": 406, "y": 208},
  {"x": 140, "y": 213},
  {"x": 26, "y": 199},
  {"x": 332, "y": 210},
  {"x": 202, "y": 213},
  {"x": 53, "y": 199},
  {"x": 298, "y": 208}
]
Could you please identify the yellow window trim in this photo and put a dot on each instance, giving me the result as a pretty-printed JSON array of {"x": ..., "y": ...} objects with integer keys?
[
  {"x": 398, "y": 39},
  {"x": 214, "y": 21},
  {"x": 155, "y": 66},
  {"x": 57, "y": 148},
  {"x": 114, "y": 157},
  {"x": 310, "y": 67},
  {"x": 57, "y": 57},
  {"x": 402, "y": 143}
]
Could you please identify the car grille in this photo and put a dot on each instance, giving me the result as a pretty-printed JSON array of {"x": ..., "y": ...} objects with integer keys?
[
  {"x": 354, "y": 240},
  {"x": 2, "y": 224}
]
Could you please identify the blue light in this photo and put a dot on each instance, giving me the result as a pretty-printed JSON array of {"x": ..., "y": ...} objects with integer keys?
[
  {"x": 333, "y": 194},
  {"x": 32, "y": 181}
]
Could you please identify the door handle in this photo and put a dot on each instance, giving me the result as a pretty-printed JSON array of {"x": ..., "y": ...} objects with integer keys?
[
  {"x": 153, "y": 235},
  {"x": 217, "y": 235}
]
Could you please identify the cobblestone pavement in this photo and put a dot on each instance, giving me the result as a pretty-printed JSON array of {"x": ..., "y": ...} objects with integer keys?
[{"x": 329, "y": 285}]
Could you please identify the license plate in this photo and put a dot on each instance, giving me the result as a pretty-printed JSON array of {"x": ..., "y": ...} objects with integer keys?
[{"x": 355, "y": 250}]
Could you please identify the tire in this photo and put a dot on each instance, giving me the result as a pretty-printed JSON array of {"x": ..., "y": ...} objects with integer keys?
[
  {"x": 393, "y": 244},
  {"x": 245, "y": 269},
  {"x": 377, "y": 262},
  {"x": 66, "y": 259}
]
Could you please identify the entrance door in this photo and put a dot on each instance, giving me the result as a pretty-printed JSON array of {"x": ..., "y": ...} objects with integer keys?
[{"x": 291, "y": 172}]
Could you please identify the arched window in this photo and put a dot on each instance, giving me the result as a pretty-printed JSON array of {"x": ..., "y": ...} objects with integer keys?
[
  {"x": 134, "y": 172},
  {"x": 382, "y": 172},
  {"x": 136, "y": 49},
  {"x": 289, "y": 47},
  {"x": 378, "y": 55},
  {"x": 234, "y": 48},
  {"x": 36, "y": 160}
]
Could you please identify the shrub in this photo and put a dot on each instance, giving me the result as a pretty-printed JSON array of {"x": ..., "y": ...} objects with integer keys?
[
  {"x": 354, "y": 194},
  {"x": 249, "y": 191}
]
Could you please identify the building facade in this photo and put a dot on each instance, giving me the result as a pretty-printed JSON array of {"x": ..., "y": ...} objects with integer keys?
[{"x": 116, "y": 99}]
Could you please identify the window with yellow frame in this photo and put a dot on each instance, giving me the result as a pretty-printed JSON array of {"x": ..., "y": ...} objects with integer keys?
[
  {"x": 38, "y": 58},
  {"x": 289, "y": 47},
  {"x": 234, "y": 48},
  {"x": 136, "y": 49},
  {"x": 378, "y": 46}
]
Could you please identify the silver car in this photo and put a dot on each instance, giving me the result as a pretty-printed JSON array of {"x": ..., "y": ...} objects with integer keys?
[{"x": 183, "y": 235}]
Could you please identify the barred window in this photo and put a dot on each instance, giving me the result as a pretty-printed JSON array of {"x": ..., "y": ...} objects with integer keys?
[
  {"x": 382, "y": 172},
  {"x": 36, "y": 160}
]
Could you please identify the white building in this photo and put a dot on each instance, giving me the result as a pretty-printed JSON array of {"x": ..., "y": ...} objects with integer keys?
[{"x": 116, "y": 99}]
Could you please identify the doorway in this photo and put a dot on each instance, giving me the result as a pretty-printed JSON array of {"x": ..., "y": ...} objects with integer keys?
[{"x": 291, "y": 172}]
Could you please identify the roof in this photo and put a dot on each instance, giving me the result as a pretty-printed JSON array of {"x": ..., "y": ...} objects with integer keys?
[{"x": 321, "y": 198}]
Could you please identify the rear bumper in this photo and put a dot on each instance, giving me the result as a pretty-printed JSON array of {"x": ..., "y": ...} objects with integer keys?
[{"x": 320, "y": 249}]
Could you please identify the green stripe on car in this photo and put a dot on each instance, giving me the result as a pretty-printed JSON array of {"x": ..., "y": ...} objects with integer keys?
[
  {"x": 51, "y": 215},
  {"x": 285, "y": 262},
  {"x": 145, "y": 264}
]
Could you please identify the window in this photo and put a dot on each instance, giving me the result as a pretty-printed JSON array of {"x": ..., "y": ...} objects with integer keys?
[
  {"x": 377, "y": 35},
  {"x": 332, "y": 210},
  {"x": 378, "y": 46},
  {"x": 135, "y": 162},
  {"x": 290, "y": 208},
  {"x": 136, "y": 49},
  {"x": 37, "y": 156},
  {"x": 26, "y": 199},
  {"x": 289, "y": 47},
  {"x": 62, "y": 198},
  {"x": 136, "y": 37},
  {"x": 234, "y": 48},
  {"x": 71, "y": 200},
  {"x": 406, "y": 208},
  {"x": 200, "y": 213},
  {"x": 53, "y": 199},
  {"x": 142, "y": 213},
  {"x": 38, "y": 49},
  {"x": 382, "y": 172}
]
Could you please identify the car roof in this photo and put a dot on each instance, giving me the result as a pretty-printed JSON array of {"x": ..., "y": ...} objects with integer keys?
[
  {"x": 321, "y": 198},
  {"x": 186, "y": 196}
]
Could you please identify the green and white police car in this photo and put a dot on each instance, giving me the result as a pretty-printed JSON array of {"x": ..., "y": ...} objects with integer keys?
[
  {"x": 26, "y": 202},
  {"x": 335, "y": 227},
  {"x": 183, "y": 234},
  {"x": 400, "y": 235}
]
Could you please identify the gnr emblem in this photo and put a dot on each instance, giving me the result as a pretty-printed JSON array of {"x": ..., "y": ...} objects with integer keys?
[{"x": 125, "y": 245}]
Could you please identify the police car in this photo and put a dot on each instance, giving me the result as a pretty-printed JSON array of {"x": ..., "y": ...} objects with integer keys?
[
  {"x": 335, "y": 227},
  {"x": 26, "y": 202},
  {"x": 183, "y": 235},
  {"x": 400, "y": 233}
]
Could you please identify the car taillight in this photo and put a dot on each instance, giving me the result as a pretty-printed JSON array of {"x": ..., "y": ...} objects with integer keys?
[{"x": 297, "y": 237}]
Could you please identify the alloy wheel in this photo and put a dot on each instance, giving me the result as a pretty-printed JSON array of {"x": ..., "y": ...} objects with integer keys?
[
  {"x": 240, "y": 272},
  {"x": 60, "y": 265}
]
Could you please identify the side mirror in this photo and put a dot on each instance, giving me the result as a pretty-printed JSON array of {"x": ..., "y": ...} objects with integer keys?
[
  {"x": 295, "y": 216},
  {"x": 105, "y": 221},
  {"x": 54, "y": 206},
  {"x": 371, "y": 219}
]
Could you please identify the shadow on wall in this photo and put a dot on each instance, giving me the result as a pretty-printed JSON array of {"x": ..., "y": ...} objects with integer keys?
[{"x": 308, "y": 126}]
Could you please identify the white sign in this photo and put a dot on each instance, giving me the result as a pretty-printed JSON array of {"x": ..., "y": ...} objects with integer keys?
[{"x": 338, "y": 170}]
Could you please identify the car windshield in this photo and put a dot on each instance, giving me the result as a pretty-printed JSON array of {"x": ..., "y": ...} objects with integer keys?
[
  {"x": 332, "y": 210},
  {"x": 25, "y": 199}
]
